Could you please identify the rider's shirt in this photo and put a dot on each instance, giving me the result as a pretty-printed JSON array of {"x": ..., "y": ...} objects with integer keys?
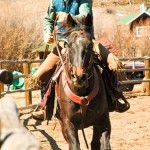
[{"x": 73, "y": 7}]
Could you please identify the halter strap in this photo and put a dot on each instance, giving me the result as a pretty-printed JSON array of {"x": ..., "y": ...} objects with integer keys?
[{"x": 83, "y": 100}]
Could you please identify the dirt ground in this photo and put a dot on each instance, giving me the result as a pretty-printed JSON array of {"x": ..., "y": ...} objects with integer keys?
[{"x": 130, "y": 130}]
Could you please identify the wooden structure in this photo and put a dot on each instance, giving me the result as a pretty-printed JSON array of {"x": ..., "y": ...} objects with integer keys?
[
  {"x": 41, "y": 50},
  {"x": 135, "y": 27},
  {"x": 40, "y": 53}
]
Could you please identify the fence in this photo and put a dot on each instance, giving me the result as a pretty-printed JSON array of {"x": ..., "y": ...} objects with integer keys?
[{"x": 26, "y": 71}]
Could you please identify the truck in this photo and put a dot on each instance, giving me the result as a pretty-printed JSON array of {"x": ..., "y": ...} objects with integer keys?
[{"x": 131, "y": 75}]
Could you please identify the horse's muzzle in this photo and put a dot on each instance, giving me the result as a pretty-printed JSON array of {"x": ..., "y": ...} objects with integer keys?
[
  {"x": 78, "y": 71},
  {"x": 79, "y": 81}
]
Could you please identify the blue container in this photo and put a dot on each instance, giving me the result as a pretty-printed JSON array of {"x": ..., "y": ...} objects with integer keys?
[{"x": 18, "y": 83}]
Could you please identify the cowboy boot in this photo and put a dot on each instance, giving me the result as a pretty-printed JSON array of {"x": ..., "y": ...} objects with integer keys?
[
  {"x": 116, "y": 101},
  {"x": 44, "y": 109}
]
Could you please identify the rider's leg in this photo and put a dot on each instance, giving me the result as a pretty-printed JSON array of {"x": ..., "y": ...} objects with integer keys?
[
  {"x": 44, "y": 73},
  {"x": 107, "y": 57},
  {"x": 112, "y": 62},
  {"x": 46, "y": 106}
]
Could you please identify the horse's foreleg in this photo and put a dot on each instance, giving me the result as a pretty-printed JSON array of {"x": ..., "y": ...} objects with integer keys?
[
  {"x": 70, "y": 133},
  {"x": 101, "y": 137},
  {"x": 105, "y": 138},
  {"x": 95, "y": 144},
  {"x": 105, "y": 145}
]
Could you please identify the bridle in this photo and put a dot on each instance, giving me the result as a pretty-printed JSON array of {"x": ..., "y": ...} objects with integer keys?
[
  {"x": 69, "y": 68},
  {"x": 67, "y": 61},
  {"x": 67, "y": 82}
]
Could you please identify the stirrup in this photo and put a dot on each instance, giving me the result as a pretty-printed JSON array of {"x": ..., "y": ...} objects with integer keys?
[
  {"x": 122, "y": 107},
  {"x": 37, "y": 109}
]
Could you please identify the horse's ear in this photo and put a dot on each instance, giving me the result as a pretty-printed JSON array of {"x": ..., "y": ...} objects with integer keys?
[
  {"x": 70, "y": 21},
  {"x": 89, "y": 20}
]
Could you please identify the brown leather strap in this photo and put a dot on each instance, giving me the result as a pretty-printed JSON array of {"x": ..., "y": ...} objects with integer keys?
[
  {"x": 77, "y": 99},
  {"x": 42, "y": 104}
]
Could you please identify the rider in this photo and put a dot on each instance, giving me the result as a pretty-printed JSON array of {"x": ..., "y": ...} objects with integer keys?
[{"x": 58, "y": 11}]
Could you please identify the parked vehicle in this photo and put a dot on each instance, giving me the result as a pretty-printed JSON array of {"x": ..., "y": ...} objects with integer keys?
[{"x": 131, "y": 75}]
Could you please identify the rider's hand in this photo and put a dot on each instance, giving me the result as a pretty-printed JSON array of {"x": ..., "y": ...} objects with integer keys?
[
  {"x": 33, "y": 82},
  {"x": 62, "y": 17},
  {"x": 48, "y": 38},
  {"x": 113, "y": 62}
]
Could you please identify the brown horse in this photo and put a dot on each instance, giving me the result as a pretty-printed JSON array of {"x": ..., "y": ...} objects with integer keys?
[{"x": 80, "y": 91}]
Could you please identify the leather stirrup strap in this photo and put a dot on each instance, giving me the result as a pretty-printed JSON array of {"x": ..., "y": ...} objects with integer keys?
[{"x": 42, "y": 104}]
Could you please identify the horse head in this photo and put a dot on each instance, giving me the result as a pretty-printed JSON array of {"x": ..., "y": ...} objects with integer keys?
[{"x": 80, "y": 53}]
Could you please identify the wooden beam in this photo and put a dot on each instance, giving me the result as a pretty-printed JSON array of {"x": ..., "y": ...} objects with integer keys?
[
  {"x": 1, "y": 86},
  {"x": 1, "y": 89},
  {"x": 147, "y": 75},
  {"x": 28, "y": 94}
]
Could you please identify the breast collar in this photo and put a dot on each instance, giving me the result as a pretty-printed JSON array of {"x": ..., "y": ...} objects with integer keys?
[{"x": 82, "y": 100}]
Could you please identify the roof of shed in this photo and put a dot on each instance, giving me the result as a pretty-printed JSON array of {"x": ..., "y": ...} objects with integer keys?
[
  {"x": 131, "y": 17},
  {"x": 42, "y": 47}
]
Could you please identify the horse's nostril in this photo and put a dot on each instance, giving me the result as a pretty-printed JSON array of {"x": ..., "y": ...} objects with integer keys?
[
  {"x": 83, "y": 76},
  {"x": 73, "y": 75}
]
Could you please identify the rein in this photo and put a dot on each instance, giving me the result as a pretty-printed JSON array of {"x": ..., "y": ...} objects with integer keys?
[{"x": 60, "y": 56}]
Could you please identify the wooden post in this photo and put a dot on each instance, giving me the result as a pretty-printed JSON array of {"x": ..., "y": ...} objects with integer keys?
[
  {"x": 28, "y": 94},
  {"x": 147, "y": 76},
  {"x": 1, "y": 85},
  {"x": 1, "y": 89}
]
